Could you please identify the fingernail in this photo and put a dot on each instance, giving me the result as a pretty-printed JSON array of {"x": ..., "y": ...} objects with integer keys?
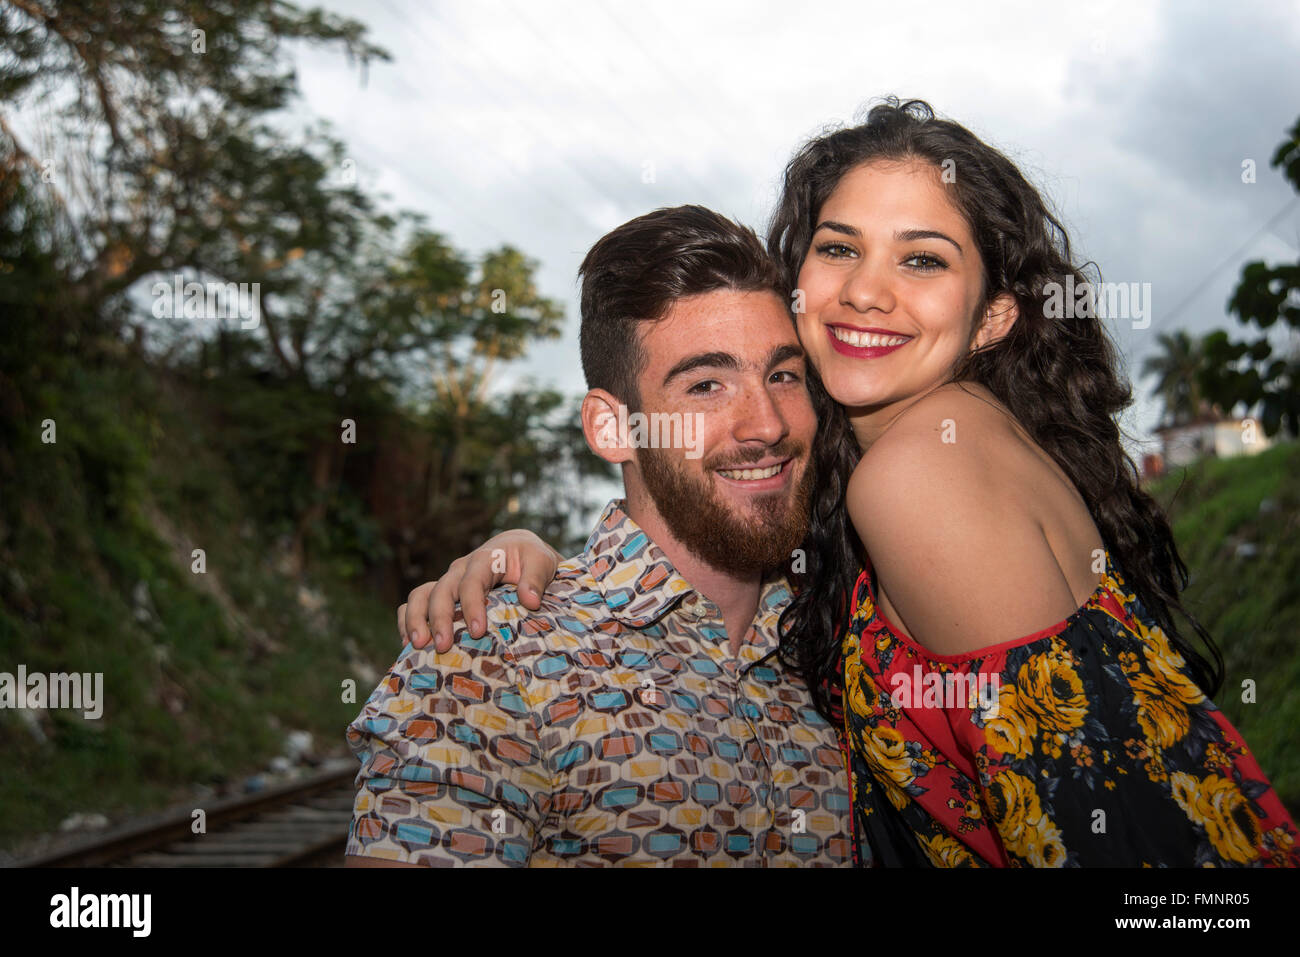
[
  {"x": 437, "y": 638},
  {"x": 414, "y": 636},
  {"x": 476, "y": 627}
]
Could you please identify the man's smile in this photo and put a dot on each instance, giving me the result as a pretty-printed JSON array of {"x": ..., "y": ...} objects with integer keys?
[{"x": 759, "y": 477}]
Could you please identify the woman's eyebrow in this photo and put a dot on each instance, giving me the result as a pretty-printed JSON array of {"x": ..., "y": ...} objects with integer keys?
[
  {"x": 902, "y": 235},
  {"x": 837, "y": 227},
  {"x": 912, "y": 235}
]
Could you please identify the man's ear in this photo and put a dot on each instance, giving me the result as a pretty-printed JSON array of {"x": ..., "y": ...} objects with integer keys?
[
  {"x": 603, "y": 428},
  {"x": 999, "y": 316}
]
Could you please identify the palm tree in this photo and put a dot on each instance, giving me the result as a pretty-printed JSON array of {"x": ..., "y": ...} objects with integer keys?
[{"x": 1177, "y": 369}]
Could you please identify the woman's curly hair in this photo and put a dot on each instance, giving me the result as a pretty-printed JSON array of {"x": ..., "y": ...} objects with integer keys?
[{"x": 1058, "y": 376}]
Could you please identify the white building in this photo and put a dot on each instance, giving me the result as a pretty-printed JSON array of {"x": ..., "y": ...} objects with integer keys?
[{"x": 1225, "y": 438}]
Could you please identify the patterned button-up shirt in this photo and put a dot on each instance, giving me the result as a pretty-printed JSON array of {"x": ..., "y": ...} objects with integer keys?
[{"x": 612, "y": 726}]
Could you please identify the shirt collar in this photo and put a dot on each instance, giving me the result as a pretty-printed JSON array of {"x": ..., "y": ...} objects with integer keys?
[{"x": 640, "y": 584}]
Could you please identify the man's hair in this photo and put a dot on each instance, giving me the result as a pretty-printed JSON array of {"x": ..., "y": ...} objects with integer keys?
[{"x": 635, "y": 274}]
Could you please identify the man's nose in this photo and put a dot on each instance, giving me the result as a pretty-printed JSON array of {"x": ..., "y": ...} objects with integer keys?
[{"x": 760, "y": 419}]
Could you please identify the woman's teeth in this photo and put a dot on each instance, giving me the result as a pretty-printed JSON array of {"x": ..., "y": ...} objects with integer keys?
[
  {"x": 749, "y": 475},
  {"x": 866, "y": 339}
]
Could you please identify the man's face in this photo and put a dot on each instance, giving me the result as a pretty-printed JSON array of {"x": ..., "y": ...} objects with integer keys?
[{"x": 739, "y": 497}]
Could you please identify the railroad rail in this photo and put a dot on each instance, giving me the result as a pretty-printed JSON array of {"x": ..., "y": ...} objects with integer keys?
[{"x": 300, "y": 824}]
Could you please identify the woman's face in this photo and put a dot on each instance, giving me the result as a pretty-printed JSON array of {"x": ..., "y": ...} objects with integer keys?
[{"x": 892, "y": 283}]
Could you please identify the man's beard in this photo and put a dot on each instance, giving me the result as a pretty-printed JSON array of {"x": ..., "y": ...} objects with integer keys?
[{"x": 754, "y": 540}]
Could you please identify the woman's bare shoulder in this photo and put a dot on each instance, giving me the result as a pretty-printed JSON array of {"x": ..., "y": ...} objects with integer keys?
[
  {"x": 955, "y": 433},
  {"x": 935, "y": 503}
]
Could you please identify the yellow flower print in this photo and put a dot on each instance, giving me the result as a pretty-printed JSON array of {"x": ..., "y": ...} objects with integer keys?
[
  {"x": 1183, "y": 787},
  {"x": 1217, "y": 804},
  {"x": 1049, "y": 685},
  {"x": 1165, "y": 663},
  {"x": 1214, "y": 757},
  {"x": 969, "y": 807},
  {"x": 1154, "y": 765},
  {"x": 1050, "y": 852},
  {"x": 1013, "y": 729},
  {"x": 1115, "y": 585},
  {"x": 945, "y": 851},
  {"x": 854, "y": 684},
  {"x": 885, "y": 750},
  {"x": 1018, "y": 815},
  {"x": 1161, "y": 713},
  {"x": 1282, "y": 843}
]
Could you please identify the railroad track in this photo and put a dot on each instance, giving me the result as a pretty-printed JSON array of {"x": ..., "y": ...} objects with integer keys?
[{"x": 302, "y": 824}]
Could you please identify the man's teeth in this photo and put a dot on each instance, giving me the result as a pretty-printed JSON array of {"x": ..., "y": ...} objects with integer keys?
[
  {"x": 865, "y": 339},
  {"x": 749, "y": 475}
]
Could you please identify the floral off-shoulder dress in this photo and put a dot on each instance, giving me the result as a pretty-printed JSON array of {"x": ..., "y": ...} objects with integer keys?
[{"x": 1085, "y": 744}]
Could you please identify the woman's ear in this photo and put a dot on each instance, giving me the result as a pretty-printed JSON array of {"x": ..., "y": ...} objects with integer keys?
[
  {"x": 604, "y": 430},
  {"x": 999, "y": 316}
]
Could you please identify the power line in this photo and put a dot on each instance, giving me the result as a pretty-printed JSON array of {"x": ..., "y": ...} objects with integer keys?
[{"x": 1231, "y": 259}]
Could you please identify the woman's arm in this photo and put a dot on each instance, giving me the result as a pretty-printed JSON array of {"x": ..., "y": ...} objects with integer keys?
[{"x": 514, "y": 557}]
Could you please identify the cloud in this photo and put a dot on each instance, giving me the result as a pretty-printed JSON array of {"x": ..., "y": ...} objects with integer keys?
[{"x": 510, "y": 122}]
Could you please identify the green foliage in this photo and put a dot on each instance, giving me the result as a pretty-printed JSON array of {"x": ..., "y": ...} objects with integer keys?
[
  {"x": 1247, "y": 371},
  {"x": 202, "y": 677},
  {"x": 1250, "y": 605},
  {"x": 1177, "y": 369},
  {"x": 324, "y": 461}
]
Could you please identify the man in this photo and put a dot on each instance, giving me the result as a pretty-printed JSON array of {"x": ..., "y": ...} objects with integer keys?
[{"x": 640, "y": 715}]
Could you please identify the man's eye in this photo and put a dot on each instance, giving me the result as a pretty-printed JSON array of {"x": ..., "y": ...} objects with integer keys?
[
  {"x": 705, "y": 387},
  {"x": 786, "y": 375}
]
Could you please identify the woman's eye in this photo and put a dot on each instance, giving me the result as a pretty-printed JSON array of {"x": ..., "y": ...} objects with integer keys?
[
  {"x": 835, "y": 250},
  {"x": 926, "y": 262}
]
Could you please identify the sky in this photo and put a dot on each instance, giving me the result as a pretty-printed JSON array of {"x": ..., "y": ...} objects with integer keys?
[{"x": 546, "y": 124}]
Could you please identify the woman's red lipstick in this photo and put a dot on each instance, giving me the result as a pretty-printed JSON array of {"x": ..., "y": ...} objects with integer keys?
[{"x": 863, "y": 352}]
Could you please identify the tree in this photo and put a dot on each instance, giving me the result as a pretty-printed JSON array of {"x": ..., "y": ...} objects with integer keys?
[
  {"x": 169, "y": 156},
  {"x": 1177, "y": 368},
  {"x": 158, "y": 151},
  {"x": 1248, "y": 371}
]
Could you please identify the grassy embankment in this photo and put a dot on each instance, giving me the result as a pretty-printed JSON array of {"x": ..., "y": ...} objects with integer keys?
[
  {"x": 204, "y": 674},
  {"x": 1237, "y": 524}
]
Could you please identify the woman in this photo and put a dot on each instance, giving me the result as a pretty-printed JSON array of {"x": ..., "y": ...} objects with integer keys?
[{"x": 988, "y": 591}]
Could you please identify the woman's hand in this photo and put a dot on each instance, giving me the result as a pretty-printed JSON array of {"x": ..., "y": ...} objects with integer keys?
[{"x": 515, "y": 557}]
